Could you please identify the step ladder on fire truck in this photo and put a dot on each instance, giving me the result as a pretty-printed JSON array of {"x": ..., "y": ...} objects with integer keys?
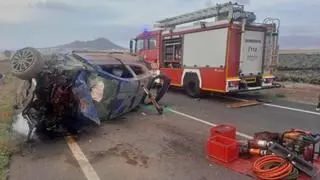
[
  {"x": 220, "y": 11},
  {"x": 235, "y": 12}
]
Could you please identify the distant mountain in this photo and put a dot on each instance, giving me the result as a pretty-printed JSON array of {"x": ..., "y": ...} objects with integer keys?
[{"x": 97, "y": 44}]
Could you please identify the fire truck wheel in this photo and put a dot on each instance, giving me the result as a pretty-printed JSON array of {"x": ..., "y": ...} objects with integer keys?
[{"x": 191, "y": 85}]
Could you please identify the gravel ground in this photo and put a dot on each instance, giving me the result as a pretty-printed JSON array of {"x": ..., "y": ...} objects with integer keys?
[{"x": 303, "y": 68}]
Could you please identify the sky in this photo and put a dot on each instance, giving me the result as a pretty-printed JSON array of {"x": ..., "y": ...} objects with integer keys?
[{"x": 47, "y": 23}]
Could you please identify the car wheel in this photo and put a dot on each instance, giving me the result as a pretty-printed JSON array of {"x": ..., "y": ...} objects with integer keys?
[
  {"x": 26, "y": 63},
  {"x": 160, "y": 89},
  {"x": 192, "y": 86}
]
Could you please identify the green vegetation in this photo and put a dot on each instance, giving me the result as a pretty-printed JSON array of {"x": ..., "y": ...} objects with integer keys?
[{"x": 8, "y": 86}]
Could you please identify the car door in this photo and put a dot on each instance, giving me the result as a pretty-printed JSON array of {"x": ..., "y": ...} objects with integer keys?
[
  {"x": 112, "y": 94},
  {"x": 143, "y": 77},
  {"x": 125, "y": 92}
]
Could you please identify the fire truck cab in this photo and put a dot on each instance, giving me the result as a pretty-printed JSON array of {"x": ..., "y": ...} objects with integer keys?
[{"x": 229, "y": 54}]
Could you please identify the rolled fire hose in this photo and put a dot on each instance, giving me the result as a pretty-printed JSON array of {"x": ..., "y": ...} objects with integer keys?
[{"x": 273, "y": 167}]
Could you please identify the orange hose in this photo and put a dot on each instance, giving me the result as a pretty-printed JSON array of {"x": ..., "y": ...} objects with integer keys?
[{"x": 279, "y": 167}]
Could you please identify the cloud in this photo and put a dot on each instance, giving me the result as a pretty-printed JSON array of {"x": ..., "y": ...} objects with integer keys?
[
  {"x": 291, "y": 14},
  {"x": 43, "y": 23},
  {"x": 15, "y": 11},
  {"x": 52, "y": 5},
  {"x": 292, "y": 30},
  {"x": 245, "y": 2}
]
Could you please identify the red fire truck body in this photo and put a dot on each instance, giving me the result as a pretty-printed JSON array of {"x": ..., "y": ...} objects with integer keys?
[{"x": 222, "y": 56}]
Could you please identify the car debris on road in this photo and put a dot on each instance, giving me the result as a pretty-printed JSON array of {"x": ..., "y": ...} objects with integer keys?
[{"x": 62, "y": 93}]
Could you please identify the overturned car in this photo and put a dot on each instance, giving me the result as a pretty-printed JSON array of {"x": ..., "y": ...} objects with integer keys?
[{"x": 62, "y": 93}]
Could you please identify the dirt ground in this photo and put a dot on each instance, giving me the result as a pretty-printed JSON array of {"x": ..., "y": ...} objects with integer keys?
[{"x": 4, "y": 67}]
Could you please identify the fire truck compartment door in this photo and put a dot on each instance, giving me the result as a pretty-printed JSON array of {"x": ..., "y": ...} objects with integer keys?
[
  {"x": 206, "y": 48},
  {"x": 252, "y": 53}
]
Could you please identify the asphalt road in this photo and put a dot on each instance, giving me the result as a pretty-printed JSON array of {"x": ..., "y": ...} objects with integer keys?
[
  {"x": 248, "y": 119},
  {"x": 144, "y": 145}
]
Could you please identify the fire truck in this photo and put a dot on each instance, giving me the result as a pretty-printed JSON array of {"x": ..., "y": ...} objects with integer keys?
[{"x": 218, "y": 49}]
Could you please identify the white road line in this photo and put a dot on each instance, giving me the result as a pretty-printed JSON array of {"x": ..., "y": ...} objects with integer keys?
[
  {"x": 205, "y": 122},
  {"x": 292, "y": 109},
  {"x": 274, "y": 105},
  {"x": 83, "y": 162}
]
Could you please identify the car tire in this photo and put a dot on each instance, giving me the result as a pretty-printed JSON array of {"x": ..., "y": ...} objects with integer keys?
[
  {"x": 163, "y": 90},
  {"x": 26, "y": 63},
  {"x": 191, "y": 85}
]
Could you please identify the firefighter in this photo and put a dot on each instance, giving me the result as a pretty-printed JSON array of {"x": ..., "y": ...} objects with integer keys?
[{"x": 318, "y": 106}]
